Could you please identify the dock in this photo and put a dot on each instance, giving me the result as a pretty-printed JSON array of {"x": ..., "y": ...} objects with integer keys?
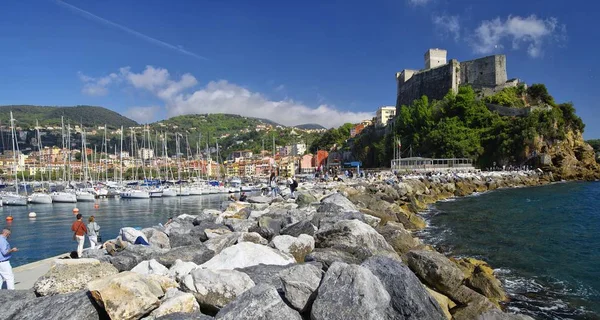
[{"x": 26, "y": 275}]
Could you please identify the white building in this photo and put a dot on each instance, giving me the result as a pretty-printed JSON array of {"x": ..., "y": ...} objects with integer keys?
[
  {"x": 384, "y": 114},
  {"x": 298, "y": 149},
  {"x": 145, "y": 153}
]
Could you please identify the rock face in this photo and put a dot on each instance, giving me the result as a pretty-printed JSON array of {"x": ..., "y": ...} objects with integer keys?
[
  {"x": 127, "y": 295},
  {"x": 72, "y": 275},
  {"x": 298, "y": 247},
  {"x": 260, "y": 302},
  {"x": 301, "y": 227},
  {"x": 499, "y": 315},
  {"x": 214, "y": 289},
  {"x": 327, "y": 256},
  {"x": 197, "y": 254},
  {"x": 150, "y": 267},
  {"x": 74, "y": 305},
  {"x": 300, "y": 284},
  {"x": 247, "y": 254},
  {"x": 175, "y": 301},
  {"x": 356, "y": 238},
  {"x": 408, "y": 296},
  {"x": 399, "y": 238},
  {"x": 350, "y": 292},
  {"x": 435, "y": 270}
]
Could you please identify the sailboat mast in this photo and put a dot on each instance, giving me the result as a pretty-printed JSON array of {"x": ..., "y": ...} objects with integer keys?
[
  {"x": 13, "y": 136},
  {"x": 121, "y": 157}
]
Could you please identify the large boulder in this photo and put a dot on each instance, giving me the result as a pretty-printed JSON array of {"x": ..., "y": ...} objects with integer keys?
[
  {"x": 260, "y": 199},
  {"x": 150, "y": 267},
  {"x": 180, "y": 269},
  {"x": 399, "y": 238},
  {"x": 304, "y": 199},
  {"x": 268, "y": 227},
  {"x": 409, "y": 299},
  {"x": 240, "y": 225},
  {"x": 70, "y": 275},
  {"x": 325, "y": 220},
  {"x": 175, "y": 301},
  {"x": 350, "y": 292},
  {"x": 435, "y": 270},
  {"x": 157, "y": 238},
  {"x": 125, "y": 261},
  {"x": 496, "y": 314},
  {"x": 470, "y": 303},
  {"x": 127, "y": 295},
  {"x": 214, "y": 289},
  {"x": 339, "y": 200},
  {"x": 260, "y": 302},
  {"x": 247, "y": 254},
  {"x": 300, "y": 284},
  {"x": 298, "y": 247},
  {"x": 197, "y": 254},
  {"x": 183, "y": 239},
  {"x": 75, "y": 305},
  {"x": 185, "y": 316},
  {"x": 14, "y": 300},
  {"x": 356, "y": 238},
  {"x": 298, "y": 228},
  {"x": 327, "y": 256},
  {"x": 217, "y": 244}
]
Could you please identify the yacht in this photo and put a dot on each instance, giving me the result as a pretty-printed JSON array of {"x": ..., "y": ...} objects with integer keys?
[
  {"x": 40, "y": 198},
  {"x": 168, "y": 192},
  {"x": 156, "y": 193},
  {"x": 135, "y": 194},
  {"x": 13, "y": 199},
  {"x": 63, "y": 197},
  {"x": 84, "y": 196}
]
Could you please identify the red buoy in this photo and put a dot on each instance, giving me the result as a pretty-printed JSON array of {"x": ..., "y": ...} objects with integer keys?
[
  {"x": 96, "y": 206},
  {"x": 9, "y": 218},
  {"x": 75, "y": 211}
]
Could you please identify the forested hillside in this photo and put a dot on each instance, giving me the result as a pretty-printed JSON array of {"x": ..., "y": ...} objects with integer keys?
[{"x": 89, "y": 116}]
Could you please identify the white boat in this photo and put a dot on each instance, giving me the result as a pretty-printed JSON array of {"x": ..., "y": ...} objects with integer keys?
[
  {"x": 13, "y": 199},
  {"x": 135, "y": 194},
  {"x": 40, "y": 198},
  {"x": 196, "y": 191},
  {"x": 168, "y": 192},
  {"x": 84, "y": 196},
  {"x": 181, "y": 191},
  {"x": 63, "y": 197},
  {"x": 233, "y": 190},
  {"x": 156, "y": 193},
  {"x": 249, "y": 187}
]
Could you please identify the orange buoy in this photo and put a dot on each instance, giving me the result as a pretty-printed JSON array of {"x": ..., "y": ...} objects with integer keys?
[
  {"x": 96, "y": 206},
  {"x": 9, "y": 218},
  {"x": 75, "y": 211}
]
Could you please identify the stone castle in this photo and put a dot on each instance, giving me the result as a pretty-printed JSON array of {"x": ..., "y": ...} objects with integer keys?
[{"x": 487, "y": 75}]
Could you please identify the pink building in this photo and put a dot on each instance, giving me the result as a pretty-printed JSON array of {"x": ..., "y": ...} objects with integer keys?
[{"x": 306, "y": 164}]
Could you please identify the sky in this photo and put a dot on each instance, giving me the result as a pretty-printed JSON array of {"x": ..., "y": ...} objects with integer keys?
[{"x": 294, "y": 62}]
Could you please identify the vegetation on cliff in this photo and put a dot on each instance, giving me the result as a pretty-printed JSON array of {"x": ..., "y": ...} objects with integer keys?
[
  {"x": 332, "y": 137},
  {"x": 89, "y": 116}
]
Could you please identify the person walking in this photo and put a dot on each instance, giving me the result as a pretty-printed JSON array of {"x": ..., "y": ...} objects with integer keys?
[
  {"x": 6, "y": 273},
  {"x": 293, "y": 186},
  {"x": 273, "y": 184},
  {"x": 93, "y": 232},
  {"x": 79, "y": 230}
]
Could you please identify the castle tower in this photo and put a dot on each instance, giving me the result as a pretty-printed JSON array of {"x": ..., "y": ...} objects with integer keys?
[{"x": 435, "y": 58}]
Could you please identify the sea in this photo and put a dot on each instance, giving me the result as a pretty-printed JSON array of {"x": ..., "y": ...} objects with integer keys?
[
  {"x": 49, "y": 233},
  {"x": 543, "y": 243}
]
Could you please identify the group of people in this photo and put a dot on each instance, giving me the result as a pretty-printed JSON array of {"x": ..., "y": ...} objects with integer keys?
[
  {"x": 80, "y": 230},
  {"x": 291, "y": 182}
]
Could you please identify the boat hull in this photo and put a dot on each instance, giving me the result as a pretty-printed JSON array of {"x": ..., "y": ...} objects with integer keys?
[
  {"x": 63, "y": 197},
  {"x": 40, "y": 198},
  {"x": 135, "y": 195},
  {"x": 14, "y": 200}
]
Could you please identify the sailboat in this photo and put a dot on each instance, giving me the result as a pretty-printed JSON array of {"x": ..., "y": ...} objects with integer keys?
[
  {"x": 82, "y": 195},
  {"x": 62, "y": 196},
  {"x": 40, "y": 197},
  {"x": 134, "y": 193},
  {"x": 14, "y": 198}
]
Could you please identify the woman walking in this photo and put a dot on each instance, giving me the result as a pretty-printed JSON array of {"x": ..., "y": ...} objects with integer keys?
[
  {"x": 93, "y": 232},
  {"x": 79, "y": 231}
]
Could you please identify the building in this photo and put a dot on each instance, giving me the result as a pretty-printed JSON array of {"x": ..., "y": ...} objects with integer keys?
[
  {"x": 145, "y": 153},
  {"x": 307, "y": 164},
  {"x": 487, "y": 74},
  {"x": 298, "y": 149},
  {"x": 320, "y": 159},
  {"x": 384, "y": 114}
]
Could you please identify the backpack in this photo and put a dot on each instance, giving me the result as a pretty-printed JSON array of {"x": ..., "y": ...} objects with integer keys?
[{"x": 295, "y": 183}]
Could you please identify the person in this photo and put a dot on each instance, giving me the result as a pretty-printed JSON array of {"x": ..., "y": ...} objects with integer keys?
[
  {"x": 79, "y": 229},
  {"x": 169, "y": 221},
  {"x": 93, "y": 232},
  {"x": 6, "y": 272},
  {"x": 243, "y": 197},
  {"x": 232, "y": 198},
  {"x": 293, "y": 186},
  {"x": 273, "y": 184}
]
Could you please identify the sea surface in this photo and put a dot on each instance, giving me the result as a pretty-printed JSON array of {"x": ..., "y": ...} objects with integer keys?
[
  {"x": 543, "y": 242},
  {"x": 49, "y": 234}
]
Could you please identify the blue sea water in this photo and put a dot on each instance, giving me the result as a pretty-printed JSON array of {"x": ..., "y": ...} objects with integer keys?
[
  {"x": 543, "y": 242},
  {"x": 49, "y": 234}
]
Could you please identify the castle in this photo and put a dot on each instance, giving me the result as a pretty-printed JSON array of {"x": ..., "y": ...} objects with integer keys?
[{"x": 487, "y": 75}]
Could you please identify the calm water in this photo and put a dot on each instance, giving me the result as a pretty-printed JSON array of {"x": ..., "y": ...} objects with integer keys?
[
  {"x": 49, "y": 234},
  {"x": 544, "y": 243}
]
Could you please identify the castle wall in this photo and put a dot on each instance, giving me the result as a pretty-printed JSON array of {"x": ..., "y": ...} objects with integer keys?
[
  {"x": 434, "y": 83},
  {"x": 484, "y": 72}
]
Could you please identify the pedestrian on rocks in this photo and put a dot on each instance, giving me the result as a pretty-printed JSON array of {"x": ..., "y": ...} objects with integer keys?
[
  {"x": 273, "y": 184},
  {"x": 293, "y": 184},
  {"x": 6, "y": 273},
  {"x": 93, "y": 232},
  {"x": 79, "y": 230}
]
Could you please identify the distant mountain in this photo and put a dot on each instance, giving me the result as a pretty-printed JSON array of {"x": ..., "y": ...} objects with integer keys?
[
  {"x": 213, "y": 123},
  {"x": 89, "y": 116},
  {"x": 310, "y": 126}
]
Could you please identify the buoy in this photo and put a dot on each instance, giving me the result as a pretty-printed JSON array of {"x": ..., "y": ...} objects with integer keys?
[
  {"x": 9, "y": 218},
  {"x": 96, "y": 206},
  {"x": 32, "y": 215},
  {"x": 75, "y": 211}
]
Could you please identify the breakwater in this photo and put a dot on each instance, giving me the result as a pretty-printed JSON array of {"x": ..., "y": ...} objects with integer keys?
[{"x": 338, "y": 251}]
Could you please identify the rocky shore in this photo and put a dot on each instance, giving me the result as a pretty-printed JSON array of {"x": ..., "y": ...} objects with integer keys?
[{"x": 341, "y": 250}]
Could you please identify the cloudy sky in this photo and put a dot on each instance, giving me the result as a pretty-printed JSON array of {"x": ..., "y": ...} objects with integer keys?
[{"x": 325, "y": 62}]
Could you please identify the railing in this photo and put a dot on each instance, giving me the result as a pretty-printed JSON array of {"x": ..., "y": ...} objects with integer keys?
[{"x": 427, "y": 164}]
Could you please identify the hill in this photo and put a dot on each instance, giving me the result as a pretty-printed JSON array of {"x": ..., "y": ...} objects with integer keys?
[
  {"x": 89, "y": 116},
  {"x": 310, "y": 126}
]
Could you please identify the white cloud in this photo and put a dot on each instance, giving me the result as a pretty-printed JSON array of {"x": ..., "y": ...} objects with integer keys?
[
  {"x": 142, "y": 114},
  {"x": 97, "y": 86},
  {"x": 530, "y": 31},
  {"x": 419, "y": 2},
  {"x": 447, "y": 25},
  {"x": 225, "y": 97}
]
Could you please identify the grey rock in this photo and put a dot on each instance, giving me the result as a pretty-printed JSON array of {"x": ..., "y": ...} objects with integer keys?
[
  {"x": 339, "y": 200},
  {"x": 185, "y": 316},
  {"x": 435, "y": 270},
  {"x": 150, "y": 267},
  {"x": 125, "y": 261},
  {"x": 399, "y": 238},
  {"x": 267, "y": 227},
  {"x": 197, "y": 254},
  {"x": 409, "y": 299},
  {"x": 266, "y": 274},
  {"x": 157, "y": 238},
  {"x": 239, "y": 225},
  {"x": 99, "y": 254},
  {"x": 179, "y": 226},
  {"x": 302, "y": 227},
  {"x": 214, "y": 289},
  {"x": 260, "y": 199},
  {"x": 75, "y": 305},
  {"x": 324, "y": 220},
  {"x": 327, "y": 256},
  {"x": 204, "y": 225},
  {"x": 304, "y": 199},
  {"x": 145, "y": 252},
  {"x": 496, "y": 314},
  {"x": 260, "y": 302},
  {"x": 300, "y": 284},
  {"x": 350, "y": 292},
  {"x": 69, "y": 276},
  {"x": 217, "y": 244},
  {"x": 12, "y": 301},
  {"x": 183, "y": 239}
]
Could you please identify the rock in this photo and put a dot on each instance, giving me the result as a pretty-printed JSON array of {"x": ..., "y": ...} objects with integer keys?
[
  {"x": 239, "y": 225},
  {"x": 214, "y": 289},
  {"x": 409, "y": 299},
  {"x": 197, "y": 254},
  {"x": 496, "y": 314},
  {"x": 325, "y": 220},
  {"x": 268, "y": 227},
  {"x": 399, "y": 238},
  {"x": 70, "y": 276},
  {"x": 180, "y": 269},
  {"x": 435, "y": 270},
  {"x": 260, "y": 302},
  {"x": 185, "y": 316},
  {"x": 217, "y": 244},
  {"x": 157, "y": 238},
  {"x": 99, "y": 254},
  {"x": 266, "y": 274},
  {"x": 444, "y": 302},
  {"x": 339, "y": 200},
  {"x": 125, "y": 261},
  {"x": 130, "y": 235},
  {"x": 14, "y": 300},
  {"x": 247, "y": 254},
  {"x": 150, "y": 267},
  {"x": 327, "y": 256},
  {"x": 350, "y": 292},
  {"x": 217, "y": 232},
  {"x": 260, "y": 199},
  {"x": 179, "y": 226},
  {"x": 127, "y": 295},
  {"x": 304, "y": 199},
  {"x": 300, "y": 284},
  {"x": 486, "y": 284},
  {"x": 297, "y": 247},
  {"x": 251, "y": 237},
  {"x": 164, "y": 282},
  {"x": 372, "y": 220},
  {"x": 259, "y": 206},
  {"x": 75, "y": 305},
  {"x": 175, "y": 301},
  {"x": 142, "y": 252},
  {"x": 298, "y": 228},
  {"x": 183, "y": 239},
  {"x": 356, "y": 238},
  {"x": 470, "y": 303}
]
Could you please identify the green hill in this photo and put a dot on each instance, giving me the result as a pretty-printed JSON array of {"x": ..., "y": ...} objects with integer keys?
[
  {"x": 310, "y": 126},
  {"x": 89, "y": 116}
]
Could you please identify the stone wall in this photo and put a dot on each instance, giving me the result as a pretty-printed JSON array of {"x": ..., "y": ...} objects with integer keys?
[
  {"x": 484, "y": 72},
  {"x": 434, "y": 83}
]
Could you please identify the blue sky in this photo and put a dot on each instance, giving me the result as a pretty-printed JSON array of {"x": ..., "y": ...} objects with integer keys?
[{"x": 294, "y": 62}]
